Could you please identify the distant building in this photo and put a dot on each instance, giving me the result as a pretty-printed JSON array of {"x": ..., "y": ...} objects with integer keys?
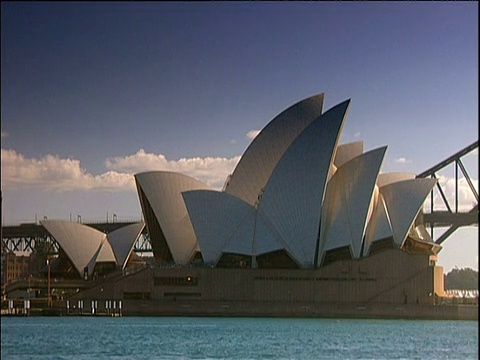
[{"x": 14, "y": 266}]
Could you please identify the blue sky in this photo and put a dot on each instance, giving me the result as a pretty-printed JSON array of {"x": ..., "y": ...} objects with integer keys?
[{"x": 92, "y": 93}]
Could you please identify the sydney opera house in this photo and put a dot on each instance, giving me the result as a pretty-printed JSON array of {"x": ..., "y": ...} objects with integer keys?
[{"x": 303, "y": 225}]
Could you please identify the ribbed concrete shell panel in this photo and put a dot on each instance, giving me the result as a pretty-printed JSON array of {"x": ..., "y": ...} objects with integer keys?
[
  {"x": 259, "y": 160},
  {"x": 123, "y": 241},
  {"x": 254, "y": 237},
  {"x": 379, "y": 227},
  {"x": 225, "y": 224},
  {"x": 393, "y": 177},
  {"x": 267, "y": 239},
  {"x": 102, "y": 255},
  {"x": 346, "y": 152},
  {"x": 404, "y": 200},
  {"x": 164, "y": 193},
  {"x": 241, "y": 239},
  {"x": 217, "y": 218},
  {"x": 81, "y": 243},
  {"x": 293, "y": 197},
  {"x": 347, "y": 203},
  {"x": 106, "y": 253}
]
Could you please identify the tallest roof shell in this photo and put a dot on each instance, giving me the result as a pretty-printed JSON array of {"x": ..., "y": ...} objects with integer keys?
[
  {"x": 293, "y": 198},
  {"x": 261, "y": 157}
]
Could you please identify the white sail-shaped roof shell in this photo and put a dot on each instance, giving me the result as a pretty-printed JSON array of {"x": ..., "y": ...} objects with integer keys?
[
  {"x": 404, "y": 200},
  {"x": 254, "y": 237},
  {"x": 293, "y": 196},
  {"x": 348, "y": 201},
  {"x": 393, "y": 177},
  {"x": 379, "y": 226},
  {"x": 215, "y": 216},
  {"x": 225, "y": 224},
  {"x": 80, "y": 243},
  {"x": 346, "y": 152},
  {"x": 259, "y": 160},
  {"x": 106, "y": 253},
  {"x": 164, "y": 192},
  {"x": 103, "y": 254},
  {"x": 123, "y": 240}
]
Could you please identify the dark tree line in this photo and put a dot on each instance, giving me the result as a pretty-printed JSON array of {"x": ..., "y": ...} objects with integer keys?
[{"x": 461, "y": 279}]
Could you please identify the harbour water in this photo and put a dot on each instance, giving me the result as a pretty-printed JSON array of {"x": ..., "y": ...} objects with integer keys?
[{"x": 235, "y": 338}]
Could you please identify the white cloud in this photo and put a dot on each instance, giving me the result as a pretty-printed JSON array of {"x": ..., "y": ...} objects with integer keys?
[
  {"x": 252, "y": 134},
  {"x": 466, "y": 198},
  {"x": 210, "y": 170},
  {"x": 54, "y": 173},
  {"x": 357, "y": 135},
  {"x": 58, "y": 174},
  {"x": 403, "y": 160}
]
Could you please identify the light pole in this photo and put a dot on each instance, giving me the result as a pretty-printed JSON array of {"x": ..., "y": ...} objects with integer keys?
[
  {"x": 48, "y": 282},
  {"x": 28, "y": 290}
]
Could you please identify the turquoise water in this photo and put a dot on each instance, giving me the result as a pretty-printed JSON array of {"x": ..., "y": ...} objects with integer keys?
[{"x": 235, "y": 338}]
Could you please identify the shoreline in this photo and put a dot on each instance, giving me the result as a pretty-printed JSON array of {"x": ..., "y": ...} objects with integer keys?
[{"x": 267, "y": 309}]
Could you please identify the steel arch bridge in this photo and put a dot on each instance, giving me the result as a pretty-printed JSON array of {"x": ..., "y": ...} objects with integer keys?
[
  {"x": 450, "y": 215},
  {"x": 33, "y": 237}
]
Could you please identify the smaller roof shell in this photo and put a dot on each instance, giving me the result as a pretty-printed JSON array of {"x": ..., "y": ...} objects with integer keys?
[
  {"x": 404, "y": 200},
  {"x": 164, "y": 192},
  {"x": 123, "y": 240},
  {"x": 86, "y": 246},
  {"x": 216, "y": 217},
  {"x": 348, "y": 151},
  {"x": 379, "y": 226},
  {"x": 393, "y": 177},
  {"x": 348, "y": 201},
  {"x": 226, "y": 224},
  {"x": 81, "y": 243},
  {"x": 102, "y": 255}
]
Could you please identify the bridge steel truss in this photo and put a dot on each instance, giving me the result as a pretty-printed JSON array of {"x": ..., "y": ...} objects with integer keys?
[
  {"x": 27, "y": 238},
  {"x": 33, "y": 237},
  {"x": 451, "y": 218}
]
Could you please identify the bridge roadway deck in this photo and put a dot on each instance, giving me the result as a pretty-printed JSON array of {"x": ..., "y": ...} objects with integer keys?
[{"x": 446, "y": 218}]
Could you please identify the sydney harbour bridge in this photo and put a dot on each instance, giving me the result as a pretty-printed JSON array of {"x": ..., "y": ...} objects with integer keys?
[{"x": 443, "y": 212}]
